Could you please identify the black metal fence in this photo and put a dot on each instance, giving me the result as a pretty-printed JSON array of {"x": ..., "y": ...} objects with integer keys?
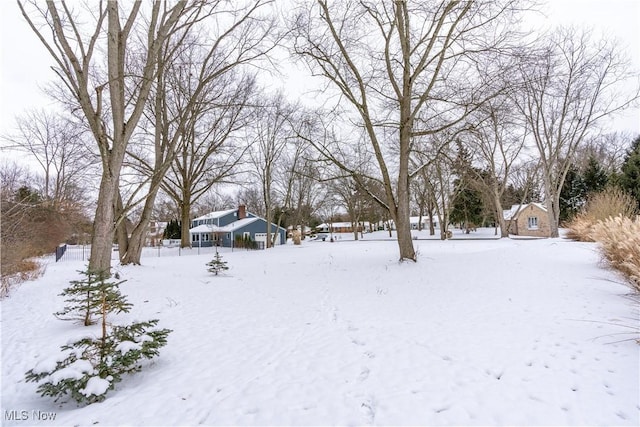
[
  {"x": 60, "y": 250},
  {"x": 82, "y": 252}
]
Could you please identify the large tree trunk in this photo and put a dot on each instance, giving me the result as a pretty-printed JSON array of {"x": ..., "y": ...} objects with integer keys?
[
  {"x": 139, "y": 233},
  {"x": 73, "y": 52},
  {"x": 103, "y": 226},
  {"x": 553, "y": 211},
  {"x": 185, "y": 218},
  {"x": 134, "y": 248},
  {"x": 122, "y": 235},
  {"x": 403, "y": 220},
  {"x": 269, "y": 214},
  {"x": 432, "y": 227},
  {"x": 444, "y": 219},
  {"x": 552, "y": 203},
  {"x": 403, "y": 230},
  {"x": 269, "y": 219},
  {"x": 504, "y": 227}
]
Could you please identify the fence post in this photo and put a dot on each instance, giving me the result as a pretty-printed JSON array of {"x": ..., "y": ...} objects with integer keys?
[{"x": 60, "y": 250}]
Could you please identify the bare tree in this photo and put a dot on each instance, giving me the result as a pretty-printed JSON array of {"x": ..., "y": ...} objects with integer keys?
[
  {"x": 271, "y": 133},
  {"x": 497, "y": 141},
  {"x": 424, "y": 198},
  {"x": 30, "y": 225},
  {"x": 250, "y": 195},
  {"x": 352, "y": 199},
  {"x": 568, "y": 87},
  {"x": 80, "y": 43},
  {"x": 58, "y": 146},
  {"x": 210, "y": 149},
  {"x": 211, "y": 88},
  {"x": 195, "y": 82},
  {"x": 16, "y": 231},
  {"x": 394, "y": 64},
  {"x": 609, "y": 149},
  {"x": 306, "y": 190},
  {"x": 295, "y": 182}
]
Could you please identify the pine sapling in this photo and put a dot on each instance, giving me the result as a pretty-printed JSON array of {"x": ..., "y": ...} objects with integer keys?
[
  {"x": 89, "y": 367},
  {"x": 217, "y": 265},
  {"x": 84, "y": 297}
]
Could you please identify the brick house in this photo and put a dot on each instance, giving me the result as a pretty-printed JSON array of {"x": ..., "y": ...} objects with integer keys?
[{"x": 531, "y": 220}]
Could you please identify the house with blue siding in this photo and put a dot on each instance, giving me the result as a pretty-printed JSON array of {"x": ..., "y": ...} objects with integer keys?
[{"x": 224, "y": 228}]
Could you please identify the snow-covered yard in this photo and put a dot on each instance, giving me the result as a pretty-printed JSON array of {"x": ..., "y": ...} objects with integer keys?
[{"x": 478, "y": 332}]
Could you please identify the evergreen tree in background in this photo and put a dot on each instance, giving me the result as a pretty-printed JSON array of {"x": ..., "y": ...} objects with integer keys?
[
  {"x": 173, "y": 230},
  {"x": 573, "y": 194},
  {"x": 595, "y": 178},
  {"x": 466, "y": 208},
  {"x": 467, "y": 203},
  {"x": 629, "y": 178}
]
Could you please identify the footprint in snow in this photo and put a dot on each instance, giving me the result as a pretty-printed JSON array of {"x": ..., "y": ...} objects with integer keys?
[
  {"x": 369, "y": 410},
  {"x": 364, "y": 374},
  {"x": 441, "y": 409}
]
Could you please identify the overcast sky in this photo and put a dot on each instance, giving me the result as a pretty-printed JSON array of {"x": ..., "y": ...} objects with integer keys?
[{"x": 25, "y": 63}]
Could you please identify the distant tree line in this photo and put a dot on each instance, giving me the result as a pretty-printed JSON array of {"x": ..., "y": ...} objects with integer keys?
[{"x": 448, "y": 111}]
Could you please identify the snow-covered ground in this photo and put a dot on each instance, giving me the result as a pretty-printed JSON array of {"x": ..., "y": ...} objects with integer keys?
[{"x": 478, "y": 332}]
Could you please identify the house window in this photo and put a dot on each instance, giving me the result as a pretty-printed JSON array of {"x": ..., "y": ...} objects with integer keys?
[
  {"x": 196, "y": 237},
  {"x": 246, "y": 235},
  {"x": 532, "y": 223}
]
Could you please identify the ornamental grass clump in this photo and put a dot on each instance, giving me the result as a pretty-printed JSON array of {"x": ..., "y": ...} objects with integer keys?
[
  {"x": 619, "y": 240},
  {"x": 609, "y": 203}
]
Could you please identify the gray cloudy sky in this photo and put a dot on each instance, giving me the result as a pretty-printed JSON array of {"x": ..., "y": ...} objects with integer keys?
[{"x": 24, "y": 62}]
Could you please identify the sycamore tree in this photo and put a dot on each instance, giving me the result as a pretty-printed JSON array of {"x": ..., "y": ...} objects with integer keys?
[
  {"x": 58, "y": 145},
  {"x": 497, "y": 142},
  {"x": 199, "y": 99},
  {"x": 270, "y": 135},
  {"x": 569, "y": 84},
  {"x": 397, "y": 71},
  {"x": 92, "y": 46}
]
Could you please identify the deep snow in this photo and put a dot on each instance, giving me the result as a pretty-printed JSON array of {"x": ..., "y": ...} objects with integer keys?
[{"x": 478, "y": 332}]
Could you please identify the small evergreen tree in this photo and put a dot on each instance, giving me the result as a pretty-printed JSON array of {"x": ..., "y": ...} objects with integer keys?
[
  {"x": 91, "y": 366},
  {"x": 629, "y": 178},
  {"x": 84, "y": 297},
  {"x": 217, "y": 265}
]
